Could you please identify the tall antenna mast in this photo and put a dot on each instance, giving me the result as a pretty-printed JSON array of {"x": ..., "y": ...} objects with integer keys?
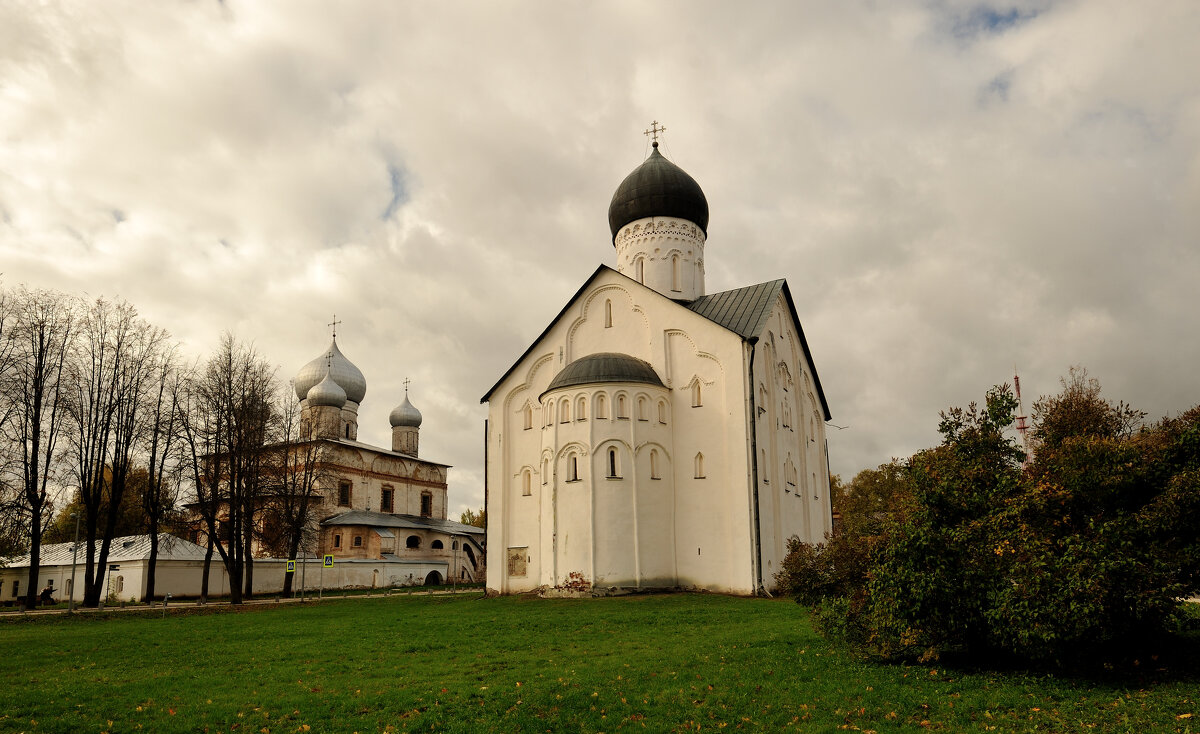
[{"x": 1022, "y": 419}]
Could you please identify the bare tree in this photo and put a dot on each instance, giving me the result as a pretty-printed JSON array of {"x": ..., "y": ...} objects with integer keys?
[
  {"x": 295, "y": 467},
  {"x": 32, "y": 402},
  {"x": 226, "y": 422},
  {"x": 163, "y": 459},
  {"x": 113, "y": 366}
]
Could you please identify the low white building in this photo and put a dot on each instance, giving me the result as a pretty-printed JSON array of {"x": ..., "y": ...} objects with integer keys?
[
  {"x": 180, "y": 569},
  {"x": 655, "y": 436}
]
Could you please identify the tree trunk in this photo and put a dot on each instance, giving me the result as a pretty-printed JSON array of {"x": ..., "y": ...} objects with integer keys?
[
  {"x": 208, "y": 554},
  {"x": 149, "y": 597},
  {"x": 35, "y": 558}
]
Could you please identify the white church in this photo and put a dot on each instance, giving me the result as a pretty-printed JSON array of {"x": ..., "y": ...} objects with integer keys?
[{"x": 655, "y": 436}]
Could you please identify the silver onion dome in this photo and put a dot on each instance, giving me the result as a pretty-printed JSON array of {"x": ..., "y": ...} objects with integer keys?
[
  {"x": 327, "y": 392},
  {"x": 405, "y": 414},
  {"x": 342, "y": 370}
]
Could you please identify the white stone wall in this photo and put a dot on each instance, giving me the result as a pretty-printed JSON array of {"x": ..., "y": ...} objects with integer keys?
[
  {"x": 690, "y": 531},
  {"x": 664, "y": 253},
  {"x": 793, "y": 481}
]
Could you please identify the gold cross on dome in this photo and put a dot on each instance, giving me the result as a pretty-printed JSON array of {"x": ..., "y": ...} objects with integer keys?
[
  {"x": 406, "y": 385},
  {"x": 654, "y": 130},
  {"x": 333, "y": 325}
]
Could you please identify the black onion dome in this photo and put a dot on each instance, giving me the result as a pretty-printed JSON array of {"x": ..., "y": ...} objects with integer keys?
[
  {"x": 605, "y": 367},
  {"x": 658, "y": 188}
]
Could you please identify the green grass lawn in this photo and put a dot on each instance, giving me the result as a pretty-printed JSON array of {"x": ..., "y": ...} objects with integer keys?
[{"x": 408, "y": 663}]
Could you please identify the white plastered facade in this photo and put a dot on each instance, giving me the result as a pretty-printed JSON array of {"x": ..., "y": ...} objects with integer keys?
[{"x": 698, "y": 484}]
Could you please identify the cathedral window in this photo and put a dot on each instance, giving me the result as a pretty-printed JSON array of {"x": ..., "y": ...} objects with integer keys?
[
  {"x": 696, "y": 394},
  {"x": 608, "y": 314},
  {"x": 426, "y": 504},
  {"x": 675, "y": 273},
  {"x": 358, "y": 541},
  {"x": 526, "y": 482},
  {"x": 654, "y": 464},
  {"x": 564, "y": 411},
  {"x": 612, "y": 464},
  {"x": 413, "y": 541},
  {"x": 385, "y": 500},
  {"x": 344, "y": 494},
  {"x": 699, "y": 465},
  {"x": 622, "y": 410},
  {"x": 601, "y": 406},
  {"x": 436, "y": 545},
  {"x": 528, "y": 415},
  {"x": 572, "y": 468},
  {"x": 337, "y": 541},
  {"x": 581, "y": 409},
  {"x": 662, "y": 411},
  {"x": 641, "y": 408}
]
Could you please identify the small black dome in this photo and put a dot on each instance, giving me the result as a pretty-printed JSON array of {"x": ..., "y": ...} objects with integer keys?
[
  {"x": 658, "y": 188},
  {"x": 605, "y": 367}
]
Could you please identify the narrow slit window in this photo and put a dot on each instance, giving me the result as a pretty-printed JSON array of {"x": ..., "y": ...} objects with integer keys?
[
  {"x": 676, "y": 278},
  {"x": 564, "y": 411},
  {"x": 641, "y": 409},
  {"x": 608, "y": 314},
  {"x": 581, "y": 409},
  {"x": 639, "y": 269},
  {"x": 622, "y": 411},
  {"x": 526, "y": 482},
  {"x": 696, "y": 394},
  {"x": 545, "y": 471},
  {"x": 662, "y": 412},
  {"x": 528, "y": 415},
  {"x": 654, "y": 464},
  {"x": 612, "y": 463},
  {"x": 601, "y": 406},
  {"x": 699, "y": 466},
  {"x": 572, "y": 468}
]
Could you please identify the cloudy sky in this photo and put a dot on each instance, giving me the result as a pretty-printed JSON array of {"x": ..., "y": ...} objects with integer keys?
[{"x": 950, "y": 188}]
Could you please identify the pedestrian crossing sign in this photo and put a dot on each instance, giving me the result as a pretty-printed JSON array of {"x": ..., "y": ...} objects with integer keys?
[{"x": 328, "y": 563}]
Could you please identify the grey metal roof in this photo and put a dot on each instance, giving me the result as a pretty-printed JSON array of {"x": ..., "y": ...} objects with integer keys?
[
  {"x": 126, "y": 548},
  {"x": 605, "y": 367},
  {"x": 411, "y": 522},
  {"x": 657, "y": 188},
  {"x": 743, "y": 311}
]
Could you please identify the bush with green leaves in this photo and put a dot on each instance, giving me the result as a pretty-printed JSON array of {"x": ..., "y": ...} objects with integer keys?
[{"x": 1090, "y": 544}]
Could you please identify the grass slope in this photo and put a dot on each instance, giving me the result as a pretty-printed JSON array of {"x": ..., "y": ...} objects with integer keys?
[{"x": 404, "y": 663}]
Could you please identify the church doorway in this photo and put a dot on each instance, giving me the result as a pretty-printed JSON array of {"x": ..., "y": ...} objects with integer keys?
[{"x": 433, "y": 579}]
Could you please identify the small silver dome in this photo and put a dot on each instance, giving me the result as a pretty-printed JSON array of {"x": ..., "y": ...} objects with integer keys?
[
  {"x": 327, "y": 392},
  {"x": 342, "y": 370},
  {"x": 405, "y": 414}
]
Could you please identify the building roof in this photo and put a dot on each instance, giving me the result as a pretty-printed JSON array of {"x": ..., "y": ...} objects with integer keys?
[
  {"x": 411, "y": 522},
  {"x": 126, "y": 548},
  {"x": 743, "y": 311},
  {"x": 379, "y": 450},
  {"x": 605, "y": 367},
  {"x": 657, "y": 188},
  {"x": 333, "y": 363}
]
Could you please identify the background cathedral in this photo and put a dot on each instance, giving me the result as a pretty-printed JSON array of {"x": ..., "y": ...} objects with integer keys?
[{"x": 655, "y": 436}]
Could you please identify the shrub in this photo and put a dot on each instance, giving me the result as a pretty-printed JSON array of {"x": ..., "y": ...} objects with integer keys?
[{"x": 1089, "y": 546}]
